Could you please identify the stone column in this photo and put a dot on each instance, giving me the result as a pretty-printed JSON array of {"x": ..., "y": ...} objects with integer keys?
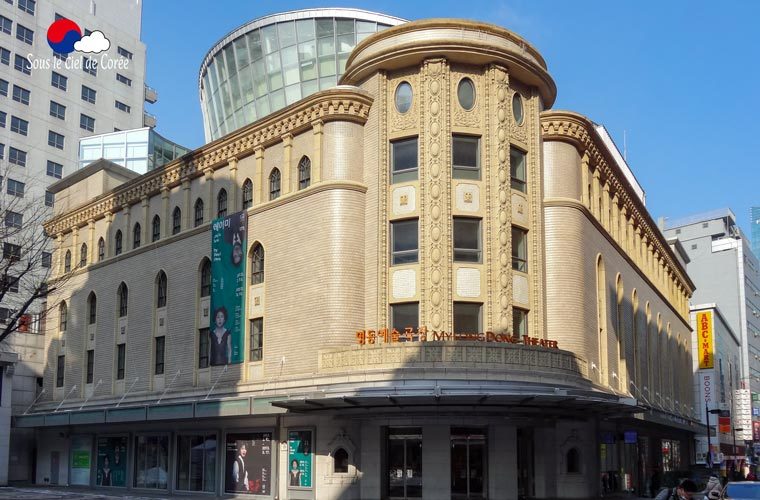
[
  {"x": 187, "y": 222},
  {"x": 318, "y": 127},
  {"x": 615, "y": 222},
  {"x": 287, "y": 164},
  {"x": 606, "y": 208},
  {"x": 109, "y": 234},
  {"x": 91, "y": 250},
  {"x": 126, "y": 236},
  {"x": 234, "y": 188},
  {"x": 147, "y": 225},
  {"x": 595, "y": 194},
  {"x": 75, "y": 247},
  {"x": 586, "y": 197},
  {"x": 59, "y": 253},
  {"x": 208, "y": 175},
  {"x": 166, "y": 222},
  {"x": 258, "y": 182}
]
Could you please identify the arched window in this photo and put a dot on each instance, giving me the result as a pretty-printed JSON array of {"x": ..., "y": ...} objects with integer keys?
[
  {"x": 136, "y": 233},
  {"x": 123, "y": 295},
  {"x": 101, "y": 249},
  {"x": 221, "y": 203},
  {"x": 340, "y": 461},
  {"x": 206, "y": 278},
  {"x": 83, "y": 255},
  {"x": 601, "y": 315},
  {"x": 304, "y": 172},
  {"x": 274, "y": 184},
  {"x": 176, "y": 220},
  {"x": 161, "y": 290},
  {"x": 156, "y": 228},
  {"x": 257, "y": 264},
  {"x": 573, "y": 461},
  {"x": 92, "y": 308},
  {"x": 67, "y": 262},
  {"x": 117, "y": 242},
  {"x": 198, "y": 212},
  {"x": 63, "y": 317},
  {"x": 247, "y": 194}
]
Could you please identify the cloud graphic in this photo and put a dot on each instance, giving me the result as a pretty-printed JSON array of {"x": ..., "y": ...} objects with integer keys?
[{"x": 93, "y": 43}]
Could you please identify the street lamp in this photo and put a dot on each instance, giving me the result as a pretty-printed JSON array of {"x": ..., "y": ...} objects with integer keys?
[{"x": 708, "y": 457}]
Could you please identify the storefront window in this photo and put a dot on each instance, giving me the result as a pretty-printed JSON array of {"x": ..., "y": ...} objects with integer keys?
[
  {"x": 468, "y": 462},
  {"x": 404, "y": 462},
  {"x": 151, "y": 461},
  {"x": 671, "y": 455},
  {"x": 196, "y": 462}
]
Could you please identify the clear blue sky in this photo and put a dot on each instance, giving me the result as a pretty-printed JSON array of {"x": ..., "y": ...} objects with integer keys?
[{"x": 679, "y": 77}]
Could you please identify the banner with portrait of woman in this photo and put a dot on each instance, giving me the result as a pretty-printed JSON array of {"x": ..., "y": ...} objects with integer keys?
[{"x": 228, "y": 264}]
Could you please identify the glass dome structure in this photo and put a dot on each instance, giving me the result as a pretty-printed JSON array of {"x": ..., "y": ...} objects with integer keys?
[{"x": 276, "y": 60}]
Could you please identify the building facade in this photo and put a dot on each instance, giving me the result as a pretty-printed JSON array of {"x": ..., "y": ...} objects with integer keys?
[
  {"x": 274, "y": 61},
  {"x": 443, "y": 291},
  {"x": 726, "y": 273},
  {"x": 754, "y": 216},
  {"x": 139, "y": 150}
]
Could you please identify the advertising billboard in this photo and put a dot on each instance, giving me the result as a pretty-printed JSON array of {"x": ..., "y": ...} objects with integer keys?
[
  {"x": 248, "y": 464},
  {"x": 300, "y": 458},
  {"x": 112, "y": 461},
  {"x": 705, "y": 340}
]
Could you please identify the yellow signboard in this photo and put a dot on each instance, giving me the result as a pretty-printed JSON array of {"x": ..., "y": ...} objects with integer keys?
[{"x": 705, "y": 340}]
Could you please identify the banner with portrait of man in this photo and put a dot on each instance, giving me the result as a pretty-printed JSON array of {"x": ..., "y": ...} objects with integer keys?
[
  {"x": 228, "y": 264},
  {"x": 248, "y": 463}
]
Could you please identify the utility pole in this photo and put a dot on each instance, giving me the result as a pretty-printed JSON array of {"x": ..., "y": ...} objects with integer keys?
[{"x": 708, "y": 456}]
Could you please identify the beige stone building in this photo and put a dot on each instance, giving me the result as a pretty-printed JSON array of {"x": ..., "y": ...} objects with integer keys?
[{"x": 451, "y": 292}]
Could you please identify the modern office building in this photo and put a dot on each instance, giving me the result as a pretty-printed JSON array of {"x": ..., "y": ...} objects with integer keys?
[
  {"x": 716, "y": 351},
  {"x": 139, "y": 150},
  {"x": 47, "y": 102},
  {"x": 725, "y": 272},
  {"x": 271, "y": 62},
  {"x": 754, "y": 215},
  {"x": 420, "y": 283}
]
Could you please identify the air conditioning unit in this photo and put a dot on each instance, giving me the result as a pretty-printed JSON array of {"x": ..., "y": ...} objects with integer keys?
[{"x": 123, "y": 330}]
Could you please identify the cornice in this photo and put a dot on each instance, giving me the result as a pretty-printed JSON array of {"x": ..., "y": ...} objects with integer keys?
[
  {"x": 339, "y": 103},
  {"x": 578, "y": 130}
]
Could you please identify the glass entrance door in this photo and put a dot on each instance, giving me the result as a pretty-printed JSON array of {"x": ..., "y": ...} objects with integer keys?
[
  {"x": 404, "y": 463},
  {"x": 468, "y": 463},
  {"x": 525, "y": 479}
]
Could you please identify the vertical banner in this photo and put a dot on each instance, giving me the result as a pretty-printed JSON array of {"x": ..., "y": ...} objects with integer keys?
[
  {"x": 112, "y": 461},
  {"x": 81, "y": 460},
  {"x": 705, "y": 340},
  {"x": 300, "y": 458},
  {"x": 227, "y": 329},
  {"x": 248, "y": 464}
]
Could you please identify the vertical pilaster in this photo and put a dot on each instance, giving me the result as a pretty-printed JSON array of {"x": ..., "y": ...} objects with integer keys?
[
  {"x": 234, "y": 189},
  {"x": 435, "y": 175},
  {"x": 318, "y": 127},
  {"x": 586, "y": 200},
  {"x": 208, "y": 175},
  {"x": 605, "y": 220},
  {"x": 258, "y": 183},
  {"x": 75, "y": 247},
  {"x": 188, "y": 207},
  {"x": 92, "y": 252},
  {"x": 615, "y": 223},
  {"x": 595, "y": 195},
  {"x": 109, "y": 234},
  {"x": 166, "y": 222},
  {"x": 126, "y": 237},
  {"x": 145, "y": 230},
  {"x": 287, "y": 163},
  {"x": 59, "y": 253}
]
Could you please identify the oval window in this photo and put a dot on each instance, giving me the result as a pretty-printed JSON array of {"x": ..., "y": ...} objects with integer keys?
[
  {"x": 466, "y": 93},
  {"x": 403, "y": 97},
  {"x": 517, "y": 108}
]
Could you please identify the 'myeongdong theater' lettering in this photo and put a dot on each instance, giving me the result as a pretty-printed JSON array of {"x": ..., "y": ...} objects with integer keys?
[{"x": 389, "y": 336}]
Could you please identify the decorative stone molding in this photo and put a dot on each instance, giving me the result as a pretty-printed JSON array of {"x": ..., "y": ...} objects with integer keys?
[
  {"x": 409, "y": 120},
  {"x": 578, "y": 131},
  {"x": 339, "y": 103}
]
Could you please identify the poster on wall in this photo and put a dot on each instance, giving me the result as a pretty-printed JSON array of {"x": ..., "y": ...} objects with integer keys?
[
  {"x": 81, "y": 460},
  {"x": 112, "y": 460},
  {"x": 248, "y": 464},
  {"x": 300, "y": 458},
  {"x": 227, "y": 329}
]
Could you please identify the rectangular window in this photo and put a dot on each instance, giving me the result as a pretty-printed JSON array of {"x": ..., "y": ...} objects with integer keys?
[
  {"x": 90, "y": 365},
  {"x": 20, "y": 94},
  {"x": 257, "y": 339},
  {"x": 519, "y": 322},
  {"x": 86, "y": 122},
  {"x": 16, "y": 156},
  {"x": 90, "y": 66},
  {"x": 49, "y": 199},
  {"x": 20, "y": 126},
  {"x": 9, "y": 283},
  {"x": 59, "y": 371},
  {"x": 27, "y": 6},
  {"x": 159, "y": 364},
  {"x": 404, "y": 160},
  {"x": 204, "y": 347},
  {"x": 124, "y": 52},
  {"x": 123, "y": 107},
  {"x": 517, "y": 169},
  {"x": 519, "y": 249},
  {"x": 24, "y": 34},
  {"x": 55, "y": 139},
  {"x": 11, "y": 251},
  {"x": 151, "y": 461},
  {"x": 5, "y": 56},
  {"x": 54, "y": 169},
  {"x": 404, "y": 241},
  {"x": 121, "y": 355},
  {"x": 47, "y": 259},
  {"x": 467, "y": 241},
  {"x": 3, "y": 88},
  {"x": 406, "y": 315},
  {"x": 13, "y": 219},
  {"x": 57, "y": 110},
  {"x": 59, "y": 81},
  {"x": 2, "y": 152},
  {"x": 196, "y": 462},
  {"x": 6, "y": 25},
  {"x": 88, "y": 94},
  {"x": 123, "y": 79},
  {"x": 467, "y": 317},
  {"x": 465, "y": 153},
  {"x": 15, "y": 188},
  {"x": 3, "y": 119}
]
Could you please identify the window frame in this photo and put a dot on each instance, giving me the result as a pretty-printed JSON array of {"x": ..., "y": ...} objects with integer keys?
[
  {"x": 479, "y": 305},
  {"x": 176, "y": 220},
  {"x": 56, "y": 140},
  {"x": 57, "y": 110},
  {"x": 247, "y": 194},
  {"x": 221, "y": 203},
  {"x": 199, "y": 209},
  {"x": 398, "y": 176},
  {"x": 118, "y": 242},
  {"x": 392, "y": 315},
  {"x": 101, "y": 249},
  {"x": 90, "y": 366},
  {"x": 204, "y": 348},
  {"x": 123, "y": 300},
  {"x": 520, "y": 263},
  {"x": 304, "y": 172},
  {"x": 524, "y": 313},
  {"x": 478, "y": 252},
  {"x": 517, "y": 183},
  {"x": 397, "y": 255},
  {"x": 461, "y": 171},
  {"x": 59, "y": 81},
  {"x": 155, "y": 233},
  {"x": 256, "y": 340},
  {"x": 86, "y": 122},
  {"x": 159, "y": 361},
  {"x": 60, "y": 370},
  {"x": 275, "y": 184},
  {"x": 136, "y": 236},
  {"x": 161, "y": 290},
  {"x": 258, "y": 263},
  {"x": 121, "y": 360}
]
